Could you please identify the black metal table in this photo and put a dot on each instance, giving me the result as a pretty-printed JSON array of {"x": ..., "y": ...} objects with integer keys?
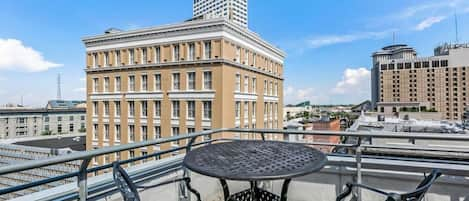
[{"x": 255, "y": 161}]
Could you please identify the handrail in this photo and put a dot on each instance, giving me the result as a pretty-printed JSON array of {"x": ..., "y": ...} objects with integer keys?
[{"x": 86, "y": 156}]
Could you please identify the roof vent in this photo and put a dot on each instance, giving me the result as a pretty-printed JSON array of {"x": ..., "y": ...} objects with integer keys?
[{"x": 112, "y": 30}]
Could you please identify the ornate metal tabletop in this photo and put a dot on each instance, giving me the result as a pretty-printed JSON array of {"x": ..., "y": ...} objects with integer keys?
[{"x": 255, "y": 160}]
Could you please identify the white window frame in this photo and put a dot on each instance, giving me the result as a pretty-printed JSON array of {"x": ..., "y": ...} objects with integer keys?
[
  {"x": 106, "y": 59},
  {"x": 207, "y": 49},
  {"x": 254, "y": 85},
  {"x": 131, "y": 133},
  {"x": 174, "y": 83},
  {"x": 144, "y": 82},
  {"x": 131, "y": 56},
  {"x": 238, "y": 82},
  {"x": 157, "y": 54},
  {"x": 117, "y": 108},
  {"x": 157, "y": 77},
  {"x": 131, "y": 85},
  {"x": 190, "y": 115},
  {"x": 94, "y": 60},
  {"x": 191, "y": 51},
  {"x": 246, "y": 57},
  {"x": 144, "y": 108},
  {"x": 238, "y": 54},
  {"x": 157, "y": 108},
  {"x": 144, "y": 56},
  {"x": 117, "y": 58},
  {"x": 131, "y": 105},
  {"x": 117, "y": 133},
  {"x": 95, "y": 85},
  {"x": 176, "y": 53},
  {"x": 237, "y": 109},
  {"x": 106, "y": 84},
  {"x": 207, "y": 110},
  {"x": 174, "y": 114},
  {"x": 189, "y": 81},
  {"x": 117, "y": 84},
  {"x": 106, "y": 108},
  {"x": 246, "y": 84},
  {"x": 207, "y": 80}
]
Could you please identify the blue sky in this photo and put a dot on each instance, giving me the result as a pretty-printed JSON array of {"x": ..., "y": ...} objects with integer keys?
[{"x": 328, "y": 43}]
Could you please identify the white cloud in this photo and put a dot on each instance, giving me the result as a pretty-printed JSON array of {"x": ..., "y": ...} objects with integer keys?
[
  {"x": 429, "y": 7},
  {"x": 18, "y": 57},
  {"x": 294, "y": 95},
  {"x": 428, "y": 22},
  {"x": 354, "y": 81},
  {"x": 346, "y": 38}
]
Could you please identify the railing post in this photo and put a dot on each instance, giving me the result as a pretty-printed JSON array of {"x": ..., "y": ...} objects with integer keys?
[
  {"x": 263, "y": 136},
  {"x": 359, "y": 168},
  {"x": 82, "y": 178}
]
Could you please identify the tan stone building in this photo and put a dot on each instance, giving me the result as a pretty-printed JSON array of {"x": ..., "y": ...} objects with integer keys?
[
  {"x": 174, "y": 79},
  {"x": 403, "y": 82}
]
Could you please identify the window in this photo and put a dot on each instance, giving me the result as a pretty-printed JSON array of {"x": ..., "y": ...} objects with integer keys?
[
  {"x": 131, "y": 83},
  {"x": 176, "y": 83},
  {"x": 131, "y": 108},
  {"x": 95, "y": 85},
  {"x": 265, "y": 87},
  {"x": 95, "y": 60},
  {"x": 246, "y": 111},
  {"x": 190, "y": 130},
  {"x": 59, "y": 128},
  {"x": 191, "y": 52},
  {"x": 106, "y": 84},
  {"x": 144, "y": 133},
  {"x": 95, "y": 109},
  {"x": 157, "y": 109},
  {"x": 117, "y": 129},
  {"x": 144, "y": 82},
  {"x": 70, "y": 118},
  {"x": 117, "y": 58},
  {"x": 276, "y": 89},
  {"x": 117, "y": 106},
  {"x": 238, "y": 54},
  {"x": 131, "y": 133},
  {"x": 59, "y": 118},
  {"x": 254, "y": 57},
  {"x": 237, "y": 109},
  {"x": 95, "y": 131},
  {"x": 246, "y": 84},
  {"x": 176, "y": 52},
  {"x": 175, "y": 132},
  {"x": 207, "y": 80},
  {"x": 207, "y": 109},
  {"x": 246, "y": 57},
  {"x": 271, "y": 88},
  {"x": 190, "y": 109},
  {"x": 253, "y": 110},
  {"x": 157, "y": 132},
  {"x": 158, "y": 82},
  {"x": 207, "y": 50},
  {"x": 106, "y": 131},
  {"x": 82, "y": 118},
  {"x": 254, "y": 85},
  {"x": 131, "y": 57},
  {"x": 144, "y": 56},
  {"x": 106, "y": 59},
  {"x": 191, "y": 80},
  {"x": 106, "y": 108},
  {"x": 70, "y": 126},
  {"x": 157, "y": 55},
  {"x": 175, "y": 109},
  {"x": 238, "y": 82},
  {"x": 144, "y": 108},
  {"x": 117, "y": 84},
  {"x": 46, "y": 119}
]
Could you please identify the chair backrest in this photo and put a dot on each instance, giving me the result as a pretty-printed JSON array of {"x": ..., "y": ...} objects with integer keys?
[
  {"x": 124, "y": 183},
  {"x": 422, "y": 188}
]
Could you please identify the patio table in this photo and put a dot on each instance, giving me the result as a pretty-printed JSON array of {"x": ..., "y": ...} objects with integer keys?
[{"x": 254, "y": 161}]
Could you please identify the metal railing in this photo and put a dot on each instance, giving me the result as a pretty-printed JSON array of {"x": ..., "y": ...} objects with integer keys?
[{"x": 86, "y": 157}]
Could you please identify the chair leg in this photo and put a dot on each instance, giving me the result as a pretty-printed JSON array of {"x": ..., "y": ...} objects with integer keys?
[{"x": 188, "y": 184}]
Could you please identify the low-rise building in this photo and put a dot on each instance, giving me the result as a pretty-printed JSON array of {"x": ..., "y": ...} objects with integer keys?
[
  {"x": 58, "y": 117},
  {"x": 323, "y": 124}
]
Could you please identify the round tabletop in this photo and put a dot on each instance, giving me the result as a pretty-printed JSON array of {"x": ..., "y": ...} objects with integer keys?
[{"x": 255, "y": 160}]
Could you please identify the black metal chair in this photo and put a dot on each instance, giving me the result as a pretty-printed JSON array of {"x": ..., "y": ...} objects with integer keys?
[
  {"x": 129, "y": 190},
  {"x": 416, "y": 195}
]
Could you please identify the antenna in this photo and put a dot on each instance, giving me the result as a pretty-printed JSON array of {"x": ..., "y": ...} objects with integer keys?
[
  {"x": 456, "y": 26},
  {"x": 59, "y": 90}
]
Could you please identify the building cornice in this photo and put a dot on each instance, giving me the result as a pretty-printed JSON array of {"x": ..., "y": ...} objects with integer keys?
[
  {"x": 183, "y": 29},
  {"x": 180, "y": 63}
]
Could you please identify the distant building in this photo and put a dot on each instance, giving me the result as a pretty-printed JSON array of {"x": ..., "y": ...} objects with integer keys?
[
  {"x": 65, "y": 104},
  {"x": 55, "y": 119},
  {"x": 363, "y": 106},
  {"x": 402, "y": 81},
  {"x": 234, "y": 10},
  {"x": 322, "y": 124}
]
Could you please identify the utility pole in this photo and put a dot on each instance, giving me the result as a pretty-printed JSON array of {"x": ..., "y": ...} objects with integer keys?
[{"x": 59, "y": 90}]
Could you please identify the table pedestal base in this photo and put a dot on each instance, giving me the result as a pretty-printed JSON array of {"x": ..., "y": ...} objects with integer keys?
[{"x": 254, "y": 193}]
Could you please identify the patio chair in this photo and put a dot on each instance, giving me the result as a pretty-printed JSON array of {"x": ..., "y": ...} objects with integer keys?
[
  {"x": 128, "y": 188},
  {"x": 416, "y": 195}
]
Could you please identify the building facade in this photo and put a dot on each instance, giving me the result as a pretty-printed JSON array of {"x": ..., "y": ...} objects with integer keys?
[
  {"x": 324, "y": 124},
  {"x": 19, "y": 122},
  {"x": 182, "y": 78},
  {"x": 234, "y": 10},
  {"x": 401, "y": 81}
]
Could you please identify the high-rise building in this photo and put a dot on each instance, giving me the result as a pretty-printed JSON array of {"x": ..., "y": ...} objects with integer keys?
[
  {"x": 163, "y": 81},
  {"x": 234, "y": 10},
  {"x": 401, "y": 81}
]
